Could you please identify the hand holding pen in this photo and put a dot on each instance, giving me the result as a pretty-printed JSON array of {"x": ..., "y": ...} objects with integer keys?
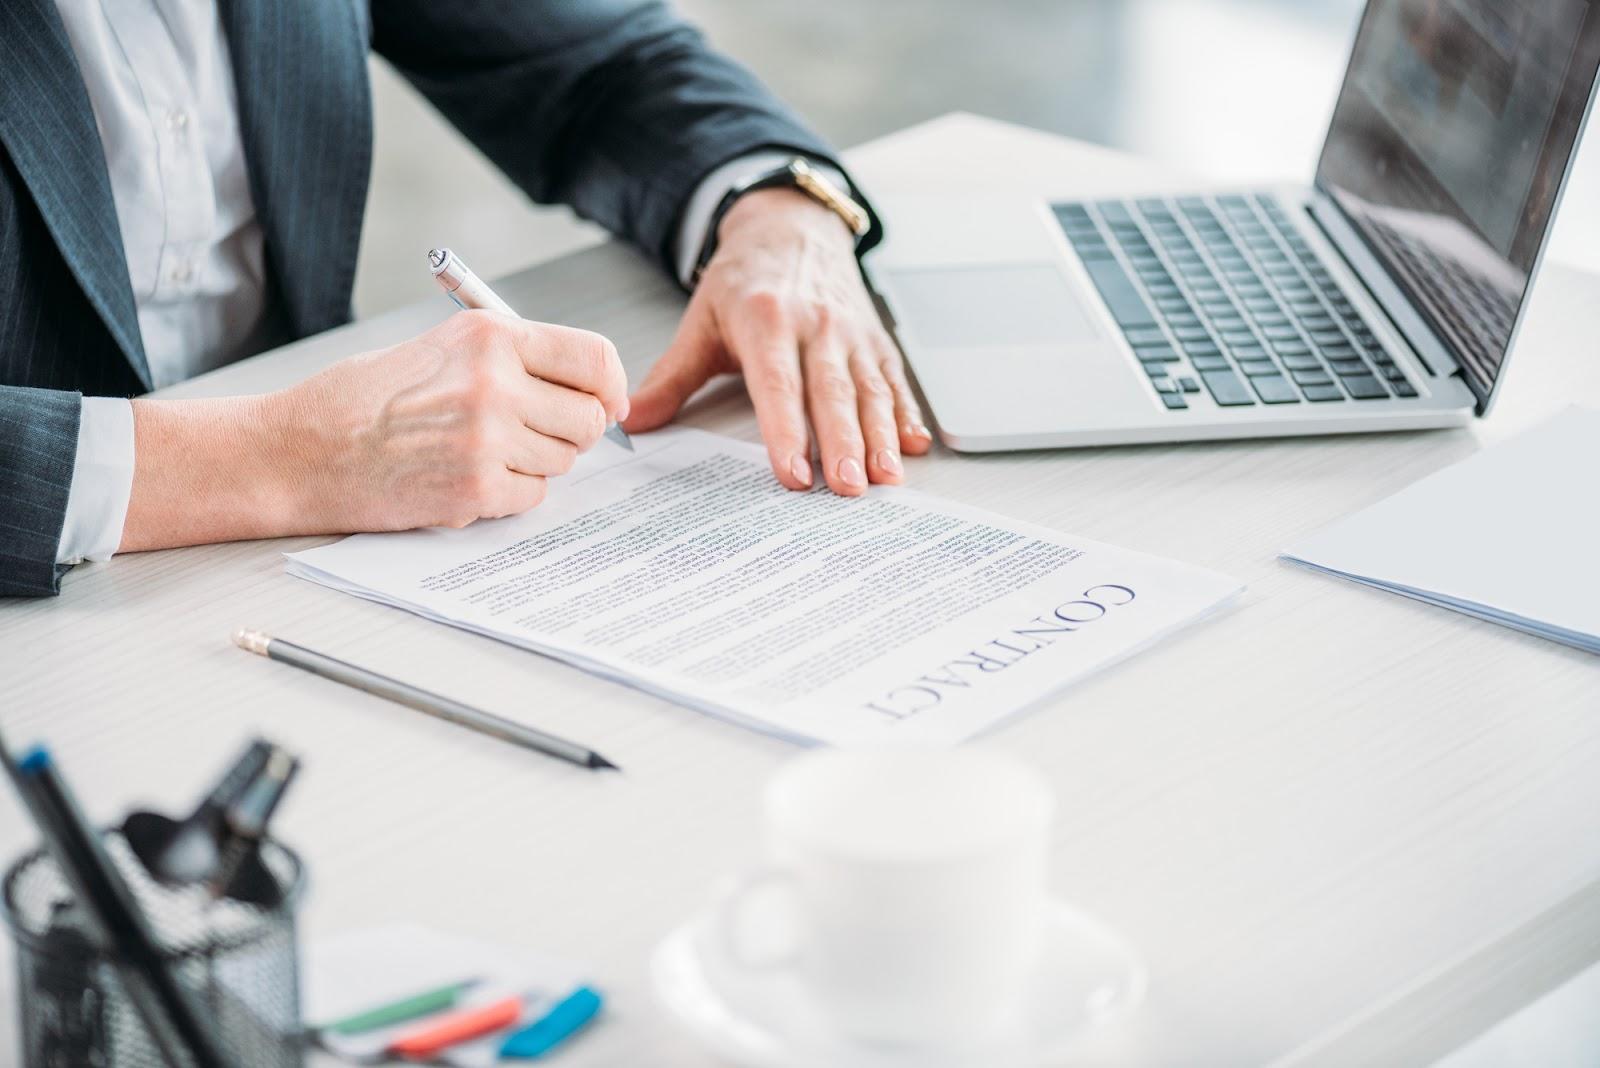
[
  {"x": 469, "y": 292},
  {"x": 464, "y": 422}
]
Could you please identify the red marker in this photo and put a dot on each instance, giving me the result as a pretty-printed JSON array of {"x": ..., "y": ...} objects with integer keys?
[{"x": 443, "y": 1032}]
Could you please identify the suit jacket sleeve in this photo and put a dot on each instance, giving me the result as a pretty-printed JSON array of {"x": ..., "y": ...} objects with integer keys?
[
  {"x": 616, "y": 107},
  {"x": 38, "y": 448}
]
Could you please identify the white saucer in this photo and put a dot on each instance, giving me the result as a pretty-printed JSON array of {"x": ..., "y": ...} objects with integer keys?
[{"x": 1087, "y": 977}]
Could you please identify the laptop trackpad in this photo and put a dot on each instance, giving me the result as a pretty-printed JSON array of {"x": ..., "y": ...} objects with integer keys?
[{"x": 1023, "y": 306}]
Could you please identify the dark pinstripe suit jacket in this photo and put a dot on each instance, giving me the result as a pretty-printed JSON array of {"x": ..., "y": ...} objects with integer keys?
[{"x": 614, "y": 106}]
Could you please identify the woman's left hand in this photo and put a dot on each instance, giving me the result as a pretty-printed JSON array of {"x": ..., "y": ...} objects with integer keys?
[{"x": 783, "y": 302}]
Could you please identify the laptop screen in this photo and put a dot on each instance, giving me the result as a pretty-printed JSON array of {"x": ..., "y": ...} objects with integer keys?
[{"x": 1447, "y": 151}]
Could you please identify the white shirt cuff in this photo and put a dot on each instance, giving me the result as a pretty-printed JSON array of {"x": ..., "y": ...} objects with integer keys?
[
  {"x": 102, "y": 480},
  {"x": 696, "y": 226}
]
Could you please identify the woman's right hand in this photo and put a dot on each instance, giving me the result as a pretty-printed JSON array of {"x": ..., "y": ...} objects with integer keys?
[{"x": 463, "y": 422}]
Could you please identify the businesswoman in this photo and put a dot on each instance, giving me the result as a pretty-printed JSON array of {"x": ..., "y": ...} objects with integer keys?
[{"x": 182, "y": 183}]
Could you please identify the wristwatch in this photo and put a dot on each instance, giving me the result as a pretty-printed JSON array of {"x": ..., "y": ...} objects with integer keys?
[{"x": 798, "y": 173}]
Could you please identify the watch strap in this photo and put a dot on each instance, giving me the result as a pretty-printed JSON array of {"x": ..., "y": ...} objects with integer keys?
[{"x": 799, "y": 173}]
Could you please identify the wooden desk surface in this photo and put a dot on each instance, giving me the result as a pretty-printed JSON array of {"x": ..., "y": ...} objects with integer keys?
[{"x": 1340, "y": 825}]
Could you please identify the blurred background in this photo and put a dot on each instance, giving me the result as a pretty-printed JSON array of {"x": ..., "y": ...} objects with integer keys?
[{"x": 1232, "y": 89}]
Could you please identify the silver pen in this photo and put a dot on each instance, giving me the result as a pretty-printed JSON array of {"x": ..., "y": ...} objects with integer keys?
[
  {"x": 469, "y": 291},
  {"x": 451, "y": 711}
]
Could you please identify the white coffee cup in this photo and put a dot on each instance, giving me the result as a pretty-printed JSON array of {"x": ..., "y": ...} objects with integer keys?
[{"x": 912, "y": 885}]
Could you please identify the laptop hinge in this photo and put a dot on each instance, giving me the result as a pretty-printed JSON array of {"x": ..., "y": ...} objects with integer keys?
[{"x": 1427, "y": 344}]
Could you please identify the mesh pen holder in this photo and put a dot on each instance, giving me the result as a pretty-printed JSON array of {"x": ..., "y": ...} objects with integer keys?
[{"x": 239, "y": 961}]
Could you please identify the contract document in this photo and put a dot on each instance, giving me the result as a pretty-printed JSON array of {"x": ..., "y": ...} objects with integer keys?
[{"x": 684, "y": 569}]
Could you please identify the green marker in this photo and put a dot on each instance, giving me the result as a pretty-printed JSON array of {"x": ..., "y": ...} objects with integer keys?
[{"x": 407, "y": 1008}]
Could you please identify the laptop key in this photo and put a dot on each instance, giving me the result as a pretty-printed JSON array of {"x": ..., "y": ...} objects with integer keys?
[
  {"x": 1401, "y": 389},
  {"x": 1174, "y": 400},
  {"x": 1117, "y": 290},
  {"x": 1210, "y": 363},
  {"x": 1302, "y": 361},
  {"x": 1226, "y": 388},
  {"x": 1365, "y": 387},
  {"x": 1252, "y": 368},
  {"x": 1145, "y": 335},
  {"x": 1329, "y": 392},
  {"x": 1311, "y": 377},
  {"x": 1189, "y": 385},
  {"x": 1348, "y": 367},
  {"x": 1275, "y": 389}
]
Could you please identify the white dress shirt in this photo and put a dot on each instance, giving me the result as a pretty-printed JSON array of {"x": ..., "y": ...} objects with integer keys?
[{"x": 160, "y": 82}]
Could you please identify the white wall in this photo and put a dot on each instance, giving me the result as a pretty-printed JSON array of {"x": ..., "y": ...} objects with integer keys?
[{"x": 1237, "y": 89}]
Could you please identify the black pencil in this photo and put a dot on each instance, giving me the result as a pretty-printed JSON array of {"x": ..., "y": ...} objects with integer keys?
[{"x": 422, "y": 700}]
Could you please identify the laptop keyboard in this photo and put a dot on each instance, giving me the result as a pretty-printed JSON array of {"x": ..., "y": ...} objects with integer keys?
[
  {"x": 1476, "y": 314},
  {"x": 1223, "y": 294}
]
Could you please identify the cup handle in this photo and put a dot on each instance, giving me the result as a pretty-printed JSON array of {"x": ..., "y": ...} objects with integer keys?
[{"x": 734, "y": 906}]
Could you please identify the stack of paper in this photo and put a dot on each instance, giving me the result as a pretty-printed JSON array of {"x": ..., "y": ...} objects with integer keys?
[
  {"x": 685, "y": 570},
  {"x": 1509, "y": 535}
]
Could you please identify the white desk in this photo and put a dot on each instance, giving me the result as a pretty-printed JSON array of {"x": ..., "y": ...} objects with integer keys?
[{"x": 1341, "y": 826}]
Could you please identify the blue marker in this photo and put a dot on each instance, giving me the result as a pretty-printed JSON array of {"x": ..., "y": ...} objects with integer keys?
[{"x": 565, "y": 1019}]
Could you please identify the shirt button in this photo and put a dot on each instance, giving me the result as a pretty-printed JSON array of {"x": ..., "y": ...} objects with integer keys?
[
  {"x": 181, "y": 272},
  {"x": 177, "y": 120}
]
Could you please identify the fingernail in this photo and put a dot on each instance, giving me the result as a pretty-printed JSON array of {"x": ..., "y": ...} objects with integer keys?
[
  {"x": 850, "y": 472},
  {"x": 800, "y": 468},
  {"x": 622, "y": 412},
  {"x": 888, "y": 461},
  {"x": 917, "y": 430}
]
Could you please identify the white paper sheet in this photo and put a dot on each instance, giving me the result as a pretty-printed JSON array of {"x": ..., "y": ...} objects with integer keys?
[
  {"x": 685, "y": 570},
  {"x": 1508, "y": 535}
]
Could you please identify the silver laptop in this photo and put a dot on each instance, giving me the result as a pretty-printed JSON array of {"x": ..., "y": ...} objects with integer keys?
[{"x": 1385, "y": 297}]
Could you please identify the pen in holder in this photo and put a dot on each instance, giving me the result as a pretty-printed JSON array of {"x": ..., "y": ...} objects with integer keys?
[{"x": 237, "y": 960}]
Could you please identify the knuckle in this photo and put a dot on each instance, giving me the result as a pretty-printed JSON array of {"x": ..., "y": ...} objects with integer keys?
[
  {"x": 564, "y": 456},
  {"x": 823, "y": 318},
  {"x": 782, "y": 381},
  {"x": 478, "y": 328},
  {"x": 831, "y": 387},
  {"x": 537, "y": 493},
  {"x": 589, "y": 421},
  {"x": 766, "y": 307},
  {"x": 595, "y": 416},
  {"x": 593, "y": 355},
  {"x": 874, "y": 390}
]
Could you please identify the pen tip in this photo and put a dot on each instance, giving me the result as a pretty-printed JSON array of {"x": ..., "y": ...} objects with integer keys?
[
  {"x": 600, "y": 763},
  {"x": 437, "y": 257}
]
